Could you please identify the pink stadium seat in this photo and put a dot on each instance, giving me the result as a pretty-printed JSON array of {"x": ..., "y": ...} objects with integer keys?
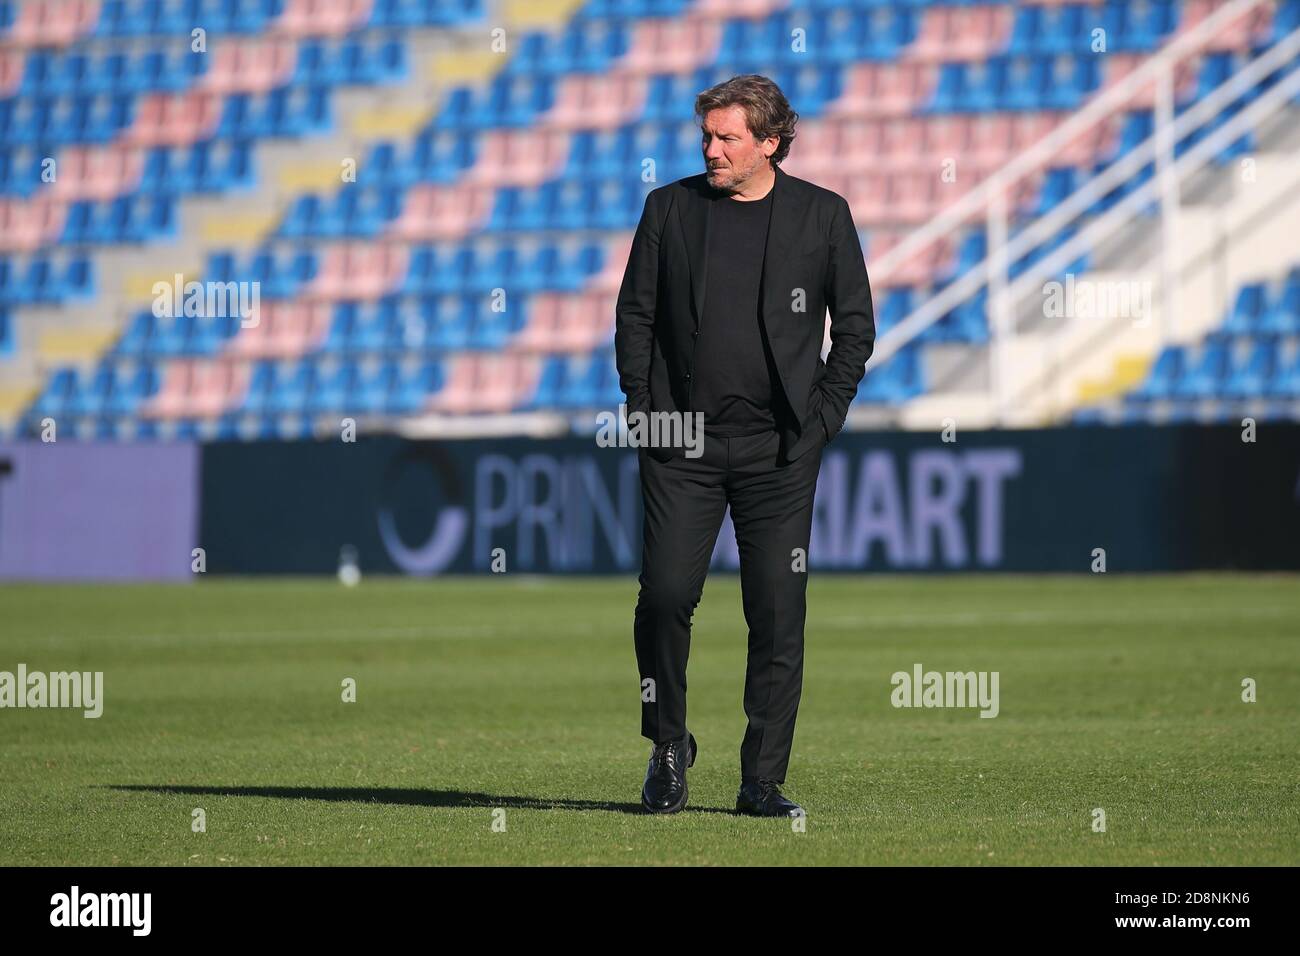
[
  {"x": 357, "y": 271},
  {"x": 29, "y": 224},
  {"x": 611, "y": 276},
  {"x": 257, "y": 341},
  {"x": 862, "y": 140},
  {"x": 1119, "y": 65},
  {"x": 918, "y": 268},
  {"x": 1237, "y": 35},
  {"x": 484, "y": 382},
  {"x": 220, "y": 386},
  {"x": 842, "y": 181},
  {"x": 948, "y": 136},
  {"x": 902, "y": 143},
  {"x": 173, "y": 399},
  {"x": 519, "y": 157},
  {"x": 817, "y": 146},
  {"x": 97, "y": 173},
  {"x": 567, "y": 323},
  {"x": 671, "y": 46},
  {"x": 53, "y": 23},
  {"x": 491, "y": 164},
  {"x": 283, "y": 330},
  {"x": 443, "y": 212},
  {"x": 1025, "y": 193},
  {"x": 199, "y": 388},
  {"x": 952, "y": 34},
  {"x": 12, "y": 64},
  {"x": 932, "y": 36},
  {"x": 946, "y": 194},
  {"x": 596, "y": 102},
  {"x": 992, "y": 139},
  {"x": 240, "y": 66},
  {"x": 867, "y": 195},
  {"x": 982, "y": 32},
  {"x": 884, "y": 89},
  {"x": 913, "y": 195},
  {"x": 321, "y": 17},
  {"x": 736, "y": 8},
  {"x": 165, "y": 119},
  {"x": 1085, "y": 149},
  {"x": 512, "y": 379},
  {"x": 457, "y": 394}
]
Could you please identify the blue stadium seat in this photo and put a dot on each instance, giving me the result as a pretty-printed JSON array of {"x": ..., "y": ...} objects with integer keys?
[
  {"x": 386, "y": 167},
  {"x": 293, "y": 387},
  {"x": 1088, "y": 417},
  {"x": 1163, "y": 377},
  {"x": 415, "y": 390},
  {"x": 493, "y": 329},
  {"x": 343, "y": 324},
  {"x": 448, "y": 323},
  {"x": 173, "y": 336},
  {"x": 1246, "y": 309},
  {"x": 379, "y": 330},
  {"x": 450, "y": 278},
  {"x": 631, "y": 9},
  {"x": 138, "y": 337},
  {"x": 1066, "y": 29},
  {"x": 1205, "y": 377},
  {"x": 550, "y": 386},
  {"x": 58, "y": 391},
  {"x": 1059, "y": 184},
  {"x": 1251, "y": 379},
  {"x": 1282, "y": 315},
  {"x": 211, "y": 335},
  {"x": 90, "y": 396},
  {"x": 334, "y": 391},
  {"x": 1026, "y": 30},
  {"x": 132, "y": 389},
  {"x": 376, "y": 391},
  {"x": 1072, "y": 79},
  {"x": 261, "y": 385},
  {"x": 1147, "y": 24},
  {"x": 1286, "y": 381},
  {"x": 896, "y": 381}
]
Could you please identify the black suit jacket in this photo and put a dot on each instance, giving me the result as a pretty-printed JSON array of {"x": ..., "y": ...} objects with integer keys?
[{"x": 813, "y": 263}]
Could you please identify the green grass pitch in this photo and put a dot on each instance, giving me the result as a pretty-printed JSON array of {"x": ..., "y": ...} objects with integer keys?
[{"x": 482, "y": 695}]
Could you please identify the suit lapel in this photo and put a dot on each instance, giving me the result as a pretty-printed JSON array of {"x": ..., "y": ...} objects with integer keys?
[
  {"x": 694, "y": 220},
  {"x": 780, "y": 237}
]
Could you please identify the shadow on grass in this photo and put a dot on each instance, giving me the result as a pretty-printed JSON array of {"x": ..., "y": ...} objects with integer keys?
[{"x": 403, "y": 797}]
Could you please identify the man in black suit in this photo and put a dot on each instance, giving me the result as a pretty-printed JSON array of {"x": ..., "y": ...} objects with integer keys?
[{"x": 722, "y": 313}]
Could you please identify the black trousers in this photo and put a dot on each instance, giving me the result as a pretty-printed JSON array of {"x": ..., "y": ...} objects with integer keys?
[{"x": 771, "y": 508}]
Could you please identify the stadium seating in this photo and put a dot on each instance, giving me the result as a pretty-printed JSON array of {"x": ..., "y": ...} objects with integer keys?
[
  {"x": 1248, "y": 365},
  {"x": 472, "y": 267}
]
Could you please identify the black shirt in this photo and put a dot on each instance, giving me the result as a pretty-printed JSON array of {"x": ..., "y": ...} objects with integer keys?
[{"x": 736, "y": 386}]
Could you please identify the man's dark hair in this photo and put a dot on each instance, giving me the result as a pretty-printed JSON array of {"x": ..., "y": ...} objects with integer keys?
[{"x": 767, "y": 112}]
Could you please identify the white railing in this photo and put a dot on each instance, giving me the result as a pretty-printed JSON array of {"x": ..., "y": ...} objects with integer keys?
[
  {"x": 1276, "y": 98},
  {"x": 989, "y": 199}
]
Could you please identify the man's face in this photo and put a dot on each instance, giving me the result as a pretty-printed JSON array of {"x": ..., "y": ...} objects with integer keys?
[{"x": 731, "y": 154}]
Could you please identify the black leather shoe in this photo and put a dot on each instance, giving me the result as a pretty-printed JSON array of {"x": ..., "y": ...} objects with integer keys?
[
  {"x": 664, "y": 790},
  {"x": 763, "y": 798}
]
